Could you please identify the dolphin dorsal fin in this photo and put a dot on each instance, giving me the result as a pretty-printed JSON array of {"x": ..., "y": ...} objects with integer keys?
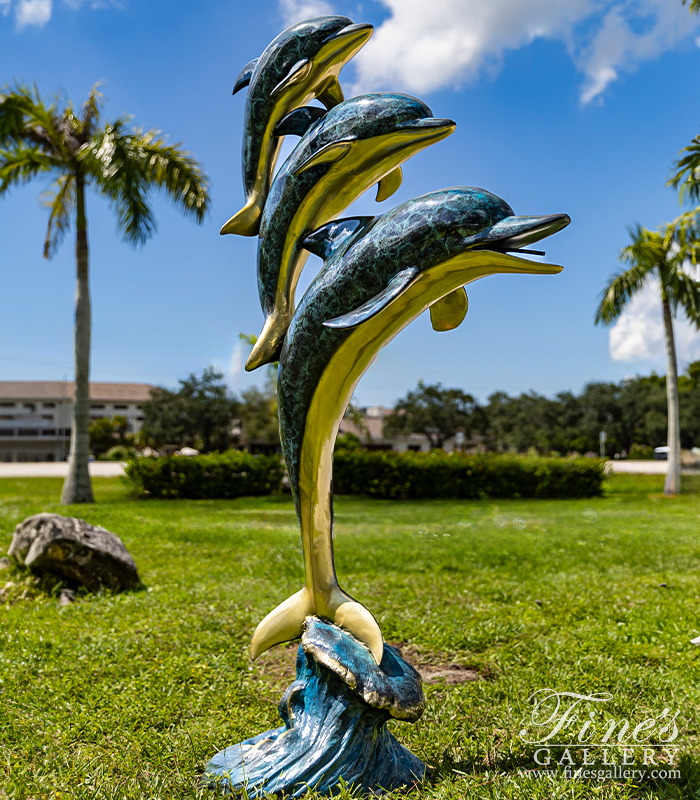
[
  {"x": 245, "y": 75},
  {"x": 297, "y": 122},
  {"x": 296, "y": 74},
  {"x": 326, "y": 155},
  {"x": 324, "y": 241},
  {"x": 396, "y": 286},
  {"x": 389, "y": 184}
]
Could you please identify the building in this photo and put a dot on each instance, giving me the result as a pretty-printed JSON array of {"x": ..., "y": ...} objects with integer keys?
[
  {"x": 371, "y": 434},
  {"x": 35, "y": 416},
  {"x": 372, "y": 437}
]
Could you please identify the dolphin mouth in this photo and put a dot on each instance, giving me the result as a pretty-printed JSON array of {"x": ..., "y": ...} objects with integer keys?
[
  {"x": 425, "y": 129},
  {"x": 512, "y": 234},
  {"x": 350, "y": 37}
]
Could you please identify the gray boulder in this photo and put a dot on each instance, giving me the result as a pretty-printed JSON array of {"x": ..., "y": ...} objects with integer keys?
[{"x": 73, "y": 549}]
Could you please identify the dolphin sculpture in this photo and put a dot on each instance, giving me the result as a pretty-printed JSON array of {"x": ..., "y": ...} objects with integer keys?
[
  {"x": 379, "y": 275},
  {"x": 301, "y": 64},
  {"x": 343, "y": 152}
]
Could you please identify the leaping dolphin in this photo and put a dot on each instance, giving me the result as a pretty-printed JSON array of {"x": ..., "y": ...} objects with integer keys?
[
  {"x": 302, "y": 63},
  {"x": 380, "y": 274},
  {"x": 343, "y": 152}
]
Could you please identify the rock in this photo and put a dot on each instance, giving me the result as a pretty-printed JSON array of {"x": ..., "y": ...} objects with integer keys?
[
  {"x": 72, "y": 549},
  {"x": 67, "y": 597},
  {"x": 5, "y": 563}
]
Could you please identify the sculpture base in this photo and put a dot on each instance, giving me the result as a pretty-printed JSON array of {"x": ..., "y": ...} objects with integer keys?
[{"x": 335, "y": 716}]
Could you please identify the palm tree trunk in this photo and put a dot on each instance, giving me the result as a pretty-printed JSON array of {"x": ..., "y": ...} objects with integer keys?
[
  {"x": 77, "y": 487},
  {"x": 672, "y": 484}
]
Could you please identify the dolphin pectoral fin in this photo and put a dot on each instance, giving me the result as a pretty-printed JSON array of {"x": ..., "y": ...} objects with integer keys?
[
  {"x": 295, "y": 75},
  {"x": 389, "y": 184},
  {"x": 324, "y": 241},
  {"x": 282, "y": 624},
  {"x": 326, "y": 155},
  {"x": 356, "y": 619},
  {"x": 245, "y": 75},
  {"x": 331, "y": 95},
  {"x": 449, "y": 311},
  {"x": 245, "y": 222},
  {"x": 297, "y": 122},
  {"x": 396, "y": 286}
]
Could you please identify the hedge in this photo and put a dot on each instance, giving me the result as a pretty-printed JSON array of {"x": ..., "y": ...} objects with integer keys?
[
  {"x": 437, "y": 474},
  {"x": 230, "y": 474}
]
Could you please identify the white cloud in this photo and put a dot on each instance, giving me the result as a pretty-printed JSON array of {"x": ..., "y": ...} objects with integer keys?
[
  {"x": 639, "y": 332},
  {"x": 33, "y": 12},
  {"x": 235, "y": 366},
  {"x": 38, "y": 12},
  {"x": 298, "y": 10},
  {"x": 424, "y": 46}
]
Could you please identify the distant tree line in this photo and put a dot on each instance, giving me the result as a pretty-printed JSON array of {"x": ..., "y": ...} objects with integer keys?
[
  {"x": 203, "y": 414},
  {"x": 631, "y": 412}
]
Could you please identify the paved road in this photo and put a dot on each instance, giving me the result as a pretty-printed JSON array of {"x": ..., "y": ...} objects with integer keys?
[
  {"x": 648, "y": 467},
  {"x": 110, "y": 469},
  {"x": 59, "y": 469}
]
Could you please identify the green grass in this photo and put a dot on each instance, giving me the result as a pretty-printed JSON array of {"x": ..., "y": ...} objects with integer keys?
[{"x": 128, "y": 696}]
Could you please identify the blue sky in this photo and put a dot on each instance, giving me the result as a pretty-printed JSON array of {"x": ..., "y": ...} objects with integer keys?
[{"x": 576, "y": 107}]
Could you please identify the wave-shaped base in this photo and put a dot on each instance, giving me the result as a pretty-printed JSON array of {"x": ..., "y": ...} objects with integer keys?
[{"x": 335, "y": 716}]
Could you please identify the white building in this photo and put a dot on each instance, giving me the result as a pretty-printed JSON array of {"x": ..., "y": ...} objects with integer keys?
[{"x": 35, "y": 416}]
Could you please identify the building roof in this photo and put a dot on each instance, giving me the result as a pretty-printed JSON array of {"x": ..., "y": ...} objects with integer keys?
[{"x": 58, "y": 390}]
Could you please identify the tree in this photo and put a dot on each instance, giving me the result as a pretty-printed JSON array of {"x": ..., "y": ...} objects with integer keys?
[
  {"x": 694, "y": 6},
  {"x": 79, "y": 150},
  {"x": 106, "y": 433},
  {"x": 199, "y": 414},
  {"x": 436, "y": 412},
  {"x": 655, "y": 255}
]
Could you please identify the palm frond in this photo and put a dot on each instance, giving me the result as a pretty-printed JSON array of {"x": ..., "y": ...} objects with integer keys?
[
  {"x": 683, "y": 235},
  {"x": 687, "y": 175},
  {"x": 644, "y": 254},
  {"x": 61, "y": 200},
  {"x": 22, "y": 163},
  {"x": 24, "y": 116},
  {"x": 116, "y": 167},
  {"x": 174, "y": 171},
  {"x": 694, "y": 6},
  {"x": 126, "y": 164},
  {"x": 686, "y": 292},
  {"x": 91, "y": 110}
]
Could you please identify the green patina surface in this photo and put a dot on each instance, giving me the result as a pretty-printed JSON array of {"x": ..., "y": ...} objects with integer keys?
[
  {"x": 293, "y": 45},
  {"x": 420, "y": 233},
  {"x": 365, "y": 117}
]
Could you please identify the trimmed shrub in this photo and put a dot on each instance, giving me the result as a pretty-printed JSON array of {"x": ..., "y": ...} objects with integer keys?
[
  {"x": 230, "y": 474},
  {"x": 641, "y": 451},
  {"x": 441, "y": 475}
]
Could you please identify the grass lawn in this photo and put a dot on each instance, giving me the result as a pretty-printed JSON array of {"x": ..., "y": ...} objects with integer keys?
[{"x": 128, "y": 696}]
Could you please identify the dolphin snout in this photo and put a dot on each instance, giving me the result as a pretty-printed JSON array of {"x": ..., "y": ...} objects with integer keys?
[
  {"x": 266, "y": 349},
  {"x": 352, "y": 36},
  {"x": 426, "y": 129},
  {"x": 517, "y": 231}
]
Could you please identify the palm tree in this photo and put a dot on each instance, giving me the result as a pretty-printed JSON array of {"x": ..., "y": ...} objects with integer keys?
[
  {"x": 656, "y": 254},
  {"x": 122, "y": 163}
]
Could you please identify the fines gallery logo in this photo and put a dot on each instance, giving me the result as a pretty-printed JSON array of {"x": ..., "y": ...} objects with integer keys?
[{"x": 575, "y": 732}]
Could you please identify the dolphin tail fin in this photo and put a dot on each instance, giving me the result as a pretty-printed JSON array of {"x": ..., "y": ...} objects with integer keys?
[
  {"x": 282, "y": 624},
  {"x": 245, "y": 222},
  {"x": 356, "y": 619},
  {"x": 286, "y": 622}
]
